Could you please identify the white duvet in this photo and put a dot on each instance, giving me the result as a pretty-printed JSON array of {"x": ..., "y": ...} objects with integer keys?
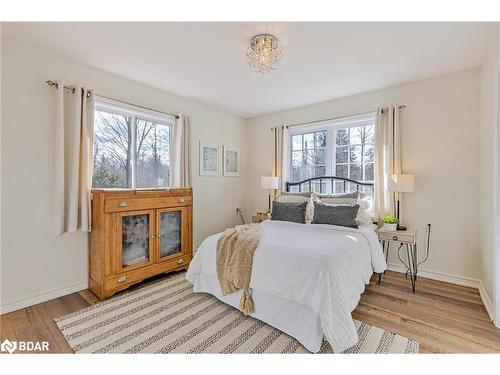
[{"x": 324, "y": 267}]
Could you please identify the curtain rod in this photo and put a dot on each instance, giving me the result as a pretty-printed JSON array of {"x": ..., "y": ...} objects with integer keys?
[
  {"x": 72, "y": 88},
  {"x": 402, "y": 106}
]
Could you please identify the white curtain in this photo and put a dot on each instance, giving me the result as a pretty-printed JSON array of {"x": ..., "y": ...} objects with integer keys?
[
  {"x": 282, "y": 153},
  {"x": 181, "y": 168},
  {"x": 387, "y": 158},
  {"x": 74, "y": 121}
]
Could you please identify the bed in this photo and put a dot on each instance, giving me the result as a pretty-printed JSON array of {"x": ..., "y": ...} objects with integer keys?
[{"x": 306, "y": 278}]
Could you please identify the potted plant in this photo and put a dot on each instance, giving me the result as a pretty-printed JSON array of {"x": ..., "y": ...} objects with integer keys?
[{"x": 390, "y": 222}]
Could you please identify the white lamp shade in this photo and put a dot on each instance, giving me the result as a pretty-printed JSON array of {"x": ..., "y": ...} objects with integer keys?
[
  {"x": 401, "y": 183},
  {"x": 268, "y": 182}
]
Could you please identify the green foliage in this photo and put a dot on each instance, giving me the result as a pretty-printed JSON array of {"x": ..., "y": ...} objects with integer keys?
[
  {"x": 390, "y": 220},
  {"x": 104, "y": 178}
]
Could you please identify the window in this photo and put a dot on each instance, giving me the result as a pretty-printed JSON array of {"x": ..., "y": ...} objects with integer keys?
[
  {"x": 131, "y": 147},
  {"x": 308, "y": 155},
  {"x": 341, "y": 148}
]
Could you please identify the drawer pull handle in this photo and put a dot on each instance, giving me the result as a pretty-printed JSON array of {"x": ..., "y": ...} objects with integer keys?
[
  {"x": 122, "y": 279},
  {"x": 122, "y": 204},
  {"x": 180, "y": 261},
  {"x": 395, "y": 238},
  {"x": 181, "y": 200}
]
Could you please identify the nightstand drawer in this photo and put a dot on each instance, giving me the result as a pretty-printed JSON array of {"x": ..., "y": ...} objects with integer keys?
[
  {"x": 396, "y": 236},
  {"x": 259, "y": 219}
]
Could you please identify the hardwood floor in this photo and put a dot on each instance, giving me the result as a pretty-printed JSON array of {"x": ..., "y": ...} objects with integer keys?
[{"x": 445, "y": 318}]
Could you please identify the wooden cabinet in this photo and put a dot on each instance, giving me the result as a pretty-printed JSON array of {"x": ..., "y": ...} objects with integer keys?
[{"x": 137, "y": 234}]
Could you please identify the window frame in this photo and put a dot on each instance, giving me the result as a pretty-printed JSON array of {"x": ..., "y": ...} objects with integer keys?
[
  {"x": 329, "y": 127},
  {"x": 136, "y": 113}
]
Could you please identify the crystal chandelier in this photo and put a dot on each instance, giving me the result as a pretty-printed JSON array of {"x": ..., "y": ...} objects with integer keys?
[{"x": 264, "y": 53}]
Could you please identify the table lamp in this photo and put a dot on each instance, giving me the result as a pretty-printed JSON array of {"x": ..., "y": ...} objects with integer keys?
[
  {"x": 270, "y": 183},
  {"x": 401, "y": 183}
]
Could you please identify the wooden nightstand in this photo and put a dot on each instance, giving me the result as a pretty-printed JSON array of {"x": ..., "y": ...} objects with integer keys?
[
  {"x": 260, "y": 218},
  {"x": 407, "y": 238}
]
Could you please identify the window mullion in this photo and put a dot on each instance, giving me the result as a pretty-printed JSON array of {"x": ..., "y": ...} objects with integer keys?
[
  {"x": 363, "y": 163},
  {"x": 170, "y": 156},
  {"x": 349, "y": 154},
  {"x": 331, "y": 160},
  {"x": 134, "y": 153}
]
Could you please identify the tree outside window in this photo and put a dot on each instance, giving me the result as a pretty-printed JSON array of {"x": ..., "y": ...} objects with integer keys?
[
  {"x": 130, "y": 152},
  {"x": 346, "y": 150}
]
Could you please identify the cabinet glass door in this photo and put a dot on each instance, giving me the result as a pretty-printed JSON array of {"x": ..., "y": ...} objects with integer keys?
[
  {"x": 170, "y": 234},
  {"x": 136, "y": 239}
]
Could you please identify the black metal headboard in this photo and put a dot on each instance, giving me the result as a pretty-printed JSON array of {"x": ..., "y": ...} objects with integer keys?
[{"x": 346, "y": 184}]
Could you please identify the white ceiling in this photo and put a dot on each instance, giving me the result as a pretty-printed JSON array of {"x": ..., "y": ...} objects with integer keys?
[{"x": 321, "y": 61}]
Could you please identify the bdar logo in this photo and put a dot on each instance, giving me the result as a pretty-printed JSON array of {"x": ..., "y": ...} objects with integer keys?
[{"x": 8, "y": 346}]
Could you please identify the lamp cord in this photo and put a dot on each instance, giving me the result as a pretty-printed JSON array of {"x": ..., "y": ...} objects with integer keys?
[
  {"x": 241, "y": 215},
  {"x": 428, "y": 249}
]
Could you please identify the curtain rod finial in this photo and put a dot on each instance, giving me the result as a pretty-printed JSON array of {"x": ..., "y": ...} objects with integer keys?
[{"x": 52, "y": 83}]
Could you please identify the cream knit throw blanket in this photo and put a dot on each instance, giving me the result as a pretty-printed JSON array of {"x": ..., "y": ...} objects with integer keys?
[{"x": 235, "y": 249}]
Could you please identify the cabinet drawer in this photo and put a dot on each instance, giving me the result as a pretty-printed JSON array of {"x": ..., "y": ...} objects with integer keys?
[
  {"x": 128, "y": 204},
  {"x": 398, "y": 237},
  {"x": 259, "y": 219},
  {"x": 125, "y": 279}
]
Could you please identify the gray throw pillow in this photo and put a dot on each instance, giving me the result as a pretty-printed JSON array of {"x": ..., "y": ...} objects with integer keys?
[
  {"x": 344, "y": 216},
  {"x": 289, "y": 211}
]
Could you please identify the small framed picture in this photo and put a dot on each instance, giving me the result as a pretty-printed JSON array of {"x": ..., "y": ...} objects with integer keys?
[
  {"x": 209, "y": 160},
  {"x": 231, "y": 161}
]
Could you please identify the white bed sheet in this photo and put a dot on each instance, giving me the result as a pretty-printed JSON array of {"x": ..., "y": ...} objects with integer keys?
[{"x": 306, "y": 279}]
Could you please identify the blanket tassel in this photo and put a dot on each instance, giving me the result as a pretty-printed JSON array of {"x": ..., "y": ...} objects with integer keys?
[{"x": 246, "y": 304}]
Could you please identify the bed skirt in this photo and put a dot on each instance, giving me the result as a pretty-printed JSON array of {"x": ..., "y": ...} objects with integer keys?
[{"x": 290, "y": 317}]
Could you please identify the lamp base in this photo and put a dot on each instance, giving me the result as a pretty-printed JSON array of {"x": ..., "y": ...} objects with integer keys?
[{"x": 399, "y": 227}]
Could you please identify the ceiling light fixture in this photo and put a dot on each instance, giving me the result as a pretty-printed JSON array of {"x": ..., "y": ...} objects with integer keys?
[{"x": 264, "y": 53}]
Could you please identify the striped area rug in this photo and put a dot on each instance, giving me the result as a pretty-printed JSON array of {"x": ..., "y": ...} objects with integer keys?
[{"x": 167, "y": 317}]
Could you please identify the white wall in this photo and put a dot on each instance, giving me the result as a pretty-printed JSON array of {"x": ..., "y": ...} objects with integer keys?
[
  {"x": 36, "y": 265},
  {"x": 488, "y": 170},
  {"x": 440, "y": 141}
]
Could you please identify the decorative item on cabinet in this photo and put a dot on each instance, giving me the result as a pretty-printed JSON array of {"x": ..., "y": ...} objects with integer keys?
[{"x": 137, "y": 234}]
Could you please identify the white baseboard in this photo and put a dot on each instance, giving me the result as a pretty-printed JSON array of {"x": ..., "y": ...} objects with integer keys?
[
  {"x": 452, "y": 279},
  {"x": 42, "y": 297},
  {"x": 440, "y": 276},
  {"x": 487, "y": 301}
]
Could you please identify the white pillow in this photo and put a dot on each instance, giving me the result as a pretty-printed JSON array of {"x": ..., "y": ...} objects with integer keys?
[
  {"x": 299, "y": 198},
  {"x": 364, "y": 218},
  {"x": 366, "y": 204}
]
